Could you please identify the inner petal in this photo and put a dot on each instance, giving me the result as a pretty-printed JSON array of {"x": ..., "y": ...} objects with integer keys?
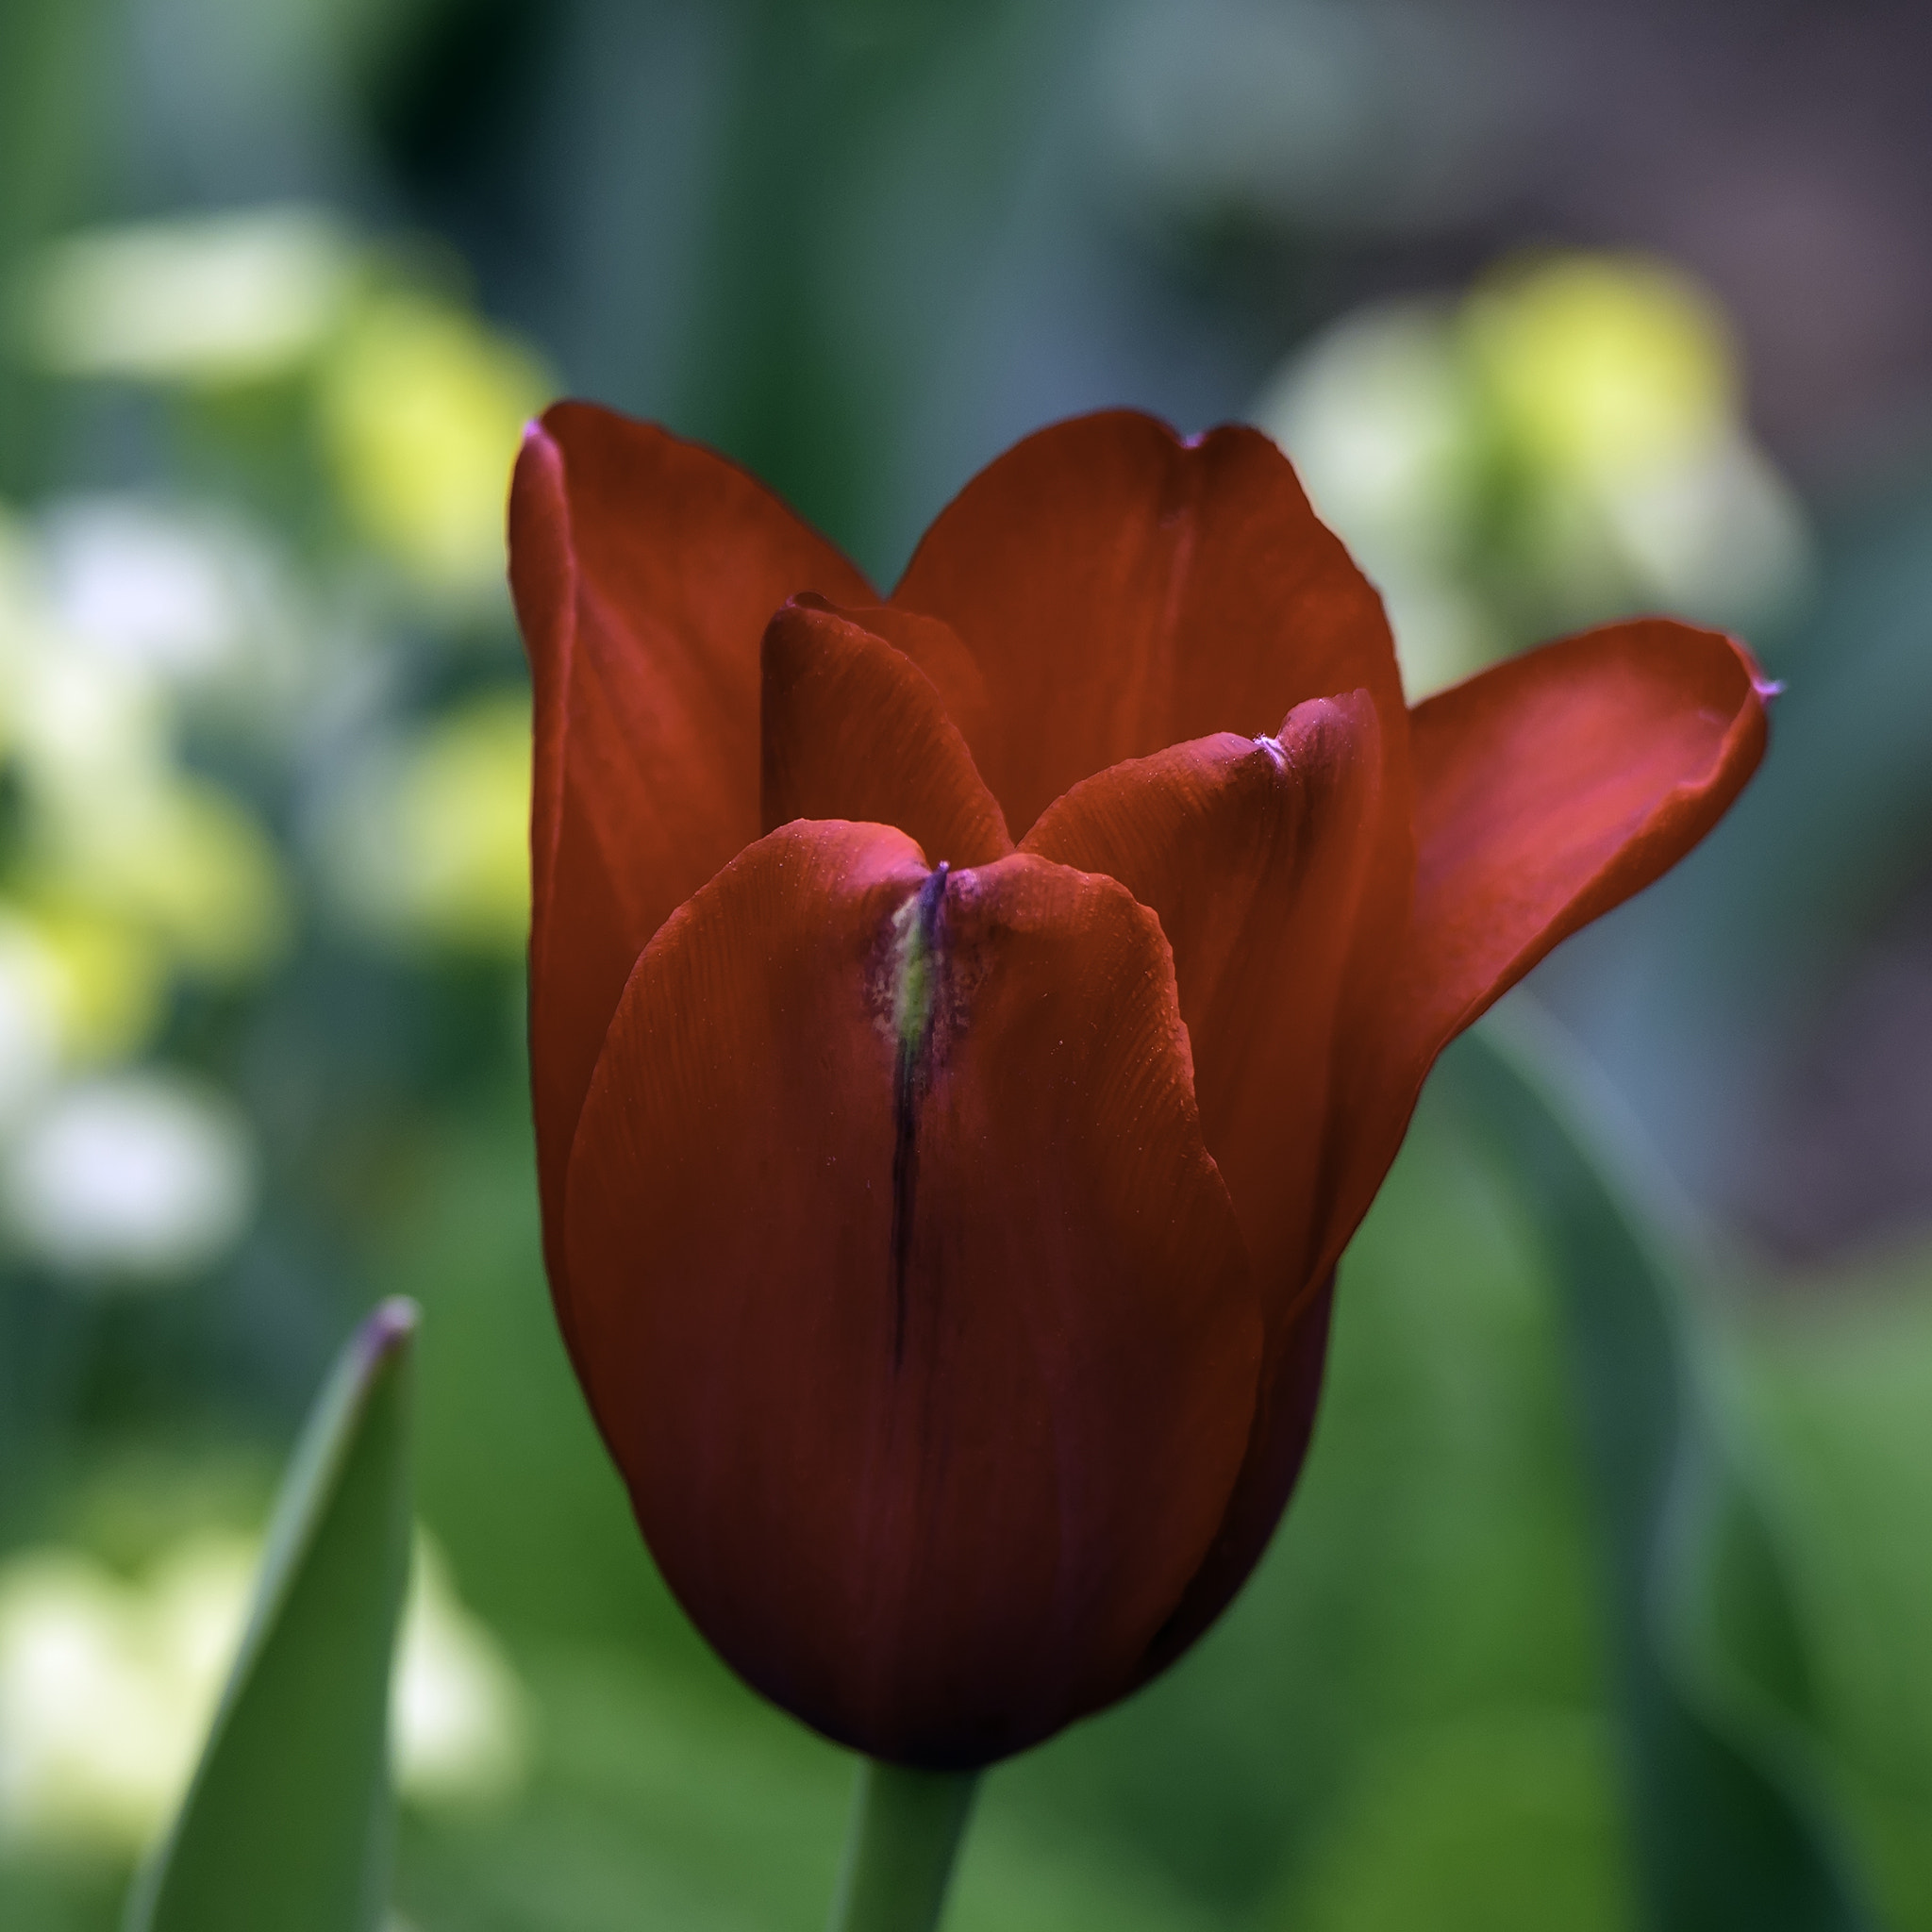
[
  {"x": 1260, "y": 856},
  {"x": 854, "y": 729}
]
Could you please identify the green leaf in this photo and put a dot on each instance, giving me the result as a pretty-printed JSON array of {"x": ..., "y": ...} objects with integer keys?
[
  {"x": 1733, "y": 1822},
  {"x": 287, "y": 1823}
]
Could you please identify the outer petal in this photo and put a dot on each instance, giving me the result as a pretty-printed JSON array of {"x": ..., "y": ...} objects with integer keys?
[
  {"x": 854, "y": 729},
  {"x": 644, "y": 569},
  {"x": 1547, "y": 791},
  {"x": 1122, "y": 590},
  {"x": 1256, "y": 854},
  {"x": 1278, "y": 877},
  {"x": 1553, "y": 787},
  {"x": 930, "y": 1450},
  {"x": 1277, "y": 1445}
]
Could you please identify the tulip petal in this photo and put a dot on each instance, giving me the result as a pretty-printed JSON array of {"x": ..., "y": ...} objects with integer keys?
[
  {"x": 854, "y": 729},
  {"x": 1552, "y": 788},
  {"x": 935, "y": 647},
  {"x": 644, "y": 571},
  {"x": 1278, "y": 1446},
  {"x": 917, "y": 1316},
  {"x": 1256, "y": 854},
  {"x": 1122, "y": 590},
  {"x": 1548, "y": 789}
]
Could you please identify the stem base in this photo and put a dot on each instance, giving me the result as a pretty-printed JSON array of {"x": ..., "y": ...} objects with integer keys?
[{"x": 899, "y": 1853}]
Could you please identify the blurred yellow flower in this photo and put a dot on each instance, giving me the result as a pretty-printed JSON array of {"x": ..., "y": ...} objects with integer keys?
[
  {"x": 187, "y": 862},
  {"x": 30, "y": 1018},
  {"x": 1599, "y": 363},
  {"x": 431, "y": 839},
  {"x": 1563, "y": 445},
  {"x": 105, "y": 979},
  {"x": 422, "y": 408},
  {"x": 126, "y": 867}
]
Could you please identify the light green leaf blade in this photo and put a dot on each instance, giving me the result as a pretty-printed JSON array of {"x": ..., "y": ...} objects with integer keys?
[
  {"x": 1731, "y": 1813},
  {"x": 288, "y": 1822}
]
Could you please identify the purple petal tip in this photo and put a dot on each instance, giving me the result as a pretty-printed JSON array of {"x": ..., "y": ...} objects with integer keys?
[{"x": 388, "y": 1328}]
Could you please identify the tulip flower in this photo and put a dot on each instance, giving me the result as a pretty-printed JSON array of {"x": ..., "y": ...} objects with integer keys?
[{"x": 967, "y": 1027}]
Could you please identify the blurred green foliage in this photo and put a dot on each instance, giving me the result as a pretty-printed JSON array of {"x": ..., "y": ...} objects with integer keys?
[
  {"x": 1406, "y": 1714},
  {"x": 1712, "y": 1664},
  {"x": 279, "y": 284}
]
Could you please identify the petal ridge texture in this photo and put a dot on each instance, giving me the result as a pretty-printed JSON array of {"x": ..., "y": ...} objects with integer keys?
[
  {"x": 945, "y": 1229},
  {"x": 854, "y": 729},
  {"x": 1122, "y": 591},
  {"x": 1549, "y": 789},
  {"x": 644, "y": 569},
  {"x": 942, "y": 1546}
]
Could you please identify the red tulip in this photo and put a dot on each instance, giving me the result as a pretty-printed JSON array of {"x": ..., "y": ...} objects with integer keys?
[{"x": 943, "y": 1227}]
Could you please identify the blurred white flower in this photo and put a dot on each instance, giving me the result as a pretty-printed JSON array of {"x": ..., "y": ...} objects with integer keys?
[
  {"x": 1617, "y": 399},
  {"x": 132, "y": 586},
  {"x": 107, "y": 1687},
  {"x": 82, "y": 724},
  {"x": 1444, "y": 631},
  {"x": 98, "y": 1721},
  {"x": 125, "y": 867},
  {"x": 1720, "y": 536},
  {"x": 1383, "y": 425},
  {"x": 458, "y": 1713},
  {"x": 149, "y": 605},
  {"x": 134, "y": 1179},
  {"x": 183, "y": 594},
  {"x": 222, "y": 298}
]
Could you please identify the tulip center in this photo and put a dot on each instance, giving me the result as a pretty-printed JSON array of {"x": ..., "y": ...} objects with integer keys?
[
  {"x": 915, "y": 931},
  {"x": 915, "y": 988}
]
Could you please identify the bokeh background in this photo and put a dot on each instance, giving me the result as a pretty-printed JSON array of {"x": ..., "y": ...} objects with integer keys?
[{"x": 1565, "y": 310}]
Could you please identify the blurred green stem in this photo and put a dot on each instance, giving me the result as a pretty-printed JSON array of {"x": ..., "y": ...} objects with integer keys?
[
  {"x": 899, "y": 1853},
  {"x": 54, "y": 106}
]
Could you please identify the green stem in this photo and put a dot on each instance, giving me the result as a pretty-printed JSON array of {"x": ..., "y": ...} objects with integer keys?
[{"x": 905, "y": 1835}]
